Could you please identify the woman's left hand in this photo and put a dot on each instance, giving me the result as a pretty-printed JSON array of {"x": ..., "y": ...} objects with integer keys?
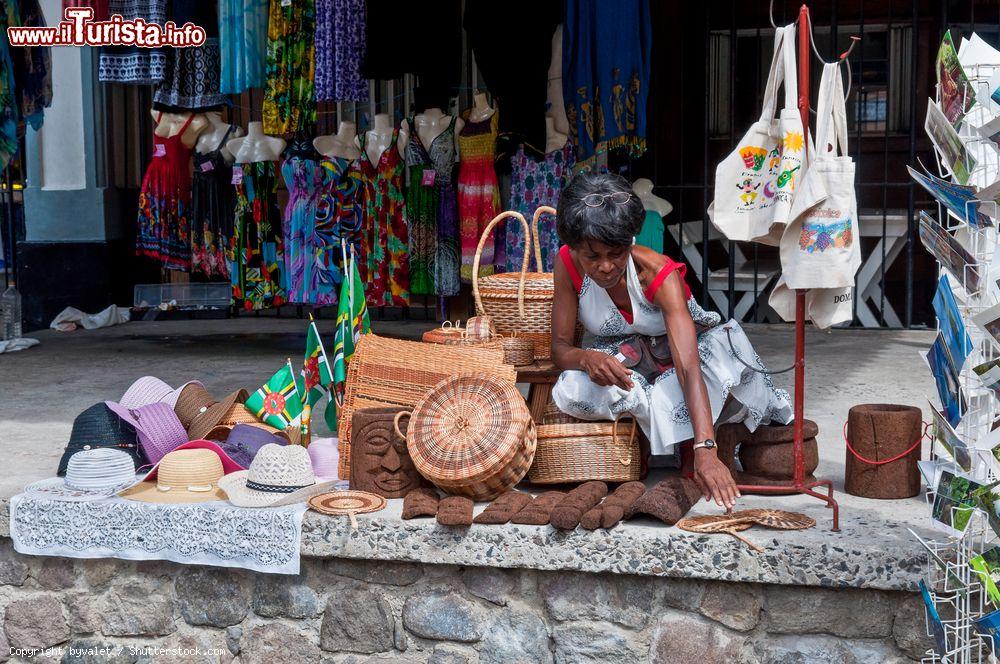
[{"x": 714, "y": 479}]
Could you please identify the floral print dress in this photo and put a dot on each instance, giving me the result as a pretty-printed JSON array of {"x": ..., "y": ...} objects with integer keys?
[
  {"x": 289, "y": 102},
  {"x": 387, "y": 262},
  {"x": 256, "y": 255},
  {"x": 478, "y": 192},
  {"x": 340, "y": 46},
  {"x": 339, "y": 212},
  {"x": 535, "y": 183},
  {"x": 212, "y": 211}
]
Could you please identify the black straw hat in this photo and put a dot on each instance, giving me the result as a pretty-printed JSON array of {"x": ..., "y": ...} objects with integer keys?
[{"x": 97, "y": 427}]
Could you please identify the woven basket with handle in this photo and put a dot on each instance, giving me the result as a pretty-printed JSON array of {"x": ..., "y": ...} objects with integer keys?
[
  {"x": 392, "y": 372},
  {"x": 582, "y": 451},
  {"x": 447, "y": 332},
  {"x": 471, "y": 436},
  {"x": 518, "y": 303}
]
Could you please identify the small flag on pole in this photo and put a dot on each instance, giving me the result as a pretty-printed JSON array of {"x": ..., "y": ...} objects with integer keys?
[
  {"x": 277, "y": 402},
  {"x": 352, "y": 322}
]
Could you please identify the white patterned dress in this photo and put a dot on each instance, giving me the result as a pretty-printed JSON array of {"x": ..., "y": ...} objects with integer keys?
[{"x": 660, "y": 408}]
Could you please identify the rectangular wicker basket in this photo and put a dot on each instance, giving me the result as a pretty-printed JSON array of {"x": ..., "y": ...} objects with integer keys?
[
  {"x": 571, "y": 450},
  {"x": 393, "y": 372}
]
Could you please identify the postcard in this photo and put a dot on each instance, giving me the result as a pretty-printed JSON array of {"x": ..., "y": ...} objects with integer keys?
[
  {"x": 987, "y": 625},
  {"x": 954, "y": 583},
  {"x": 960, "y": 200},
  {"x": 956, "y": 92},
  {"x": 931, "y": 469},
  {"x": 989, "y": 322},
  {"x": 987, "y": 565},
  {"x": 950, "y": 146},
  {"x": 950, "y": 325},
  {"x": 934, "y": 620},
  {"x": 948, "y": 251},
  {"x": 949, "y": 388},
  {"x": 945, "y": 434},
  {"x": 954, "y": 502},
  {"x": 989, "y": 373}
]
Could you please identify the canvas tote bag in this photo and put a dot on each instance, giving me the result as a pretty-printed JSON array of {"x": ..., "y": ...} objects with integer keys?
[
  {"x": 820, "y": 249},
  {"x": 755, "y": 184}
]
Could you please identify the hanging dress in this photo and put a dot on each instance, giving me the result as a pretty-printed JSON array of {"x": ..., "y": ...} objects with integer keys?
[
  {"x": 165, "y": 202},
  {"x": 191, "y": 79},
  {"x": 256, "y": 261},
  {"x": 534, "y": 183},
  {"x": 386, "y": 250},
  {"x": 478, "y": 191},
  {"x": 660, "y": 407},
  {"x": 32, "y": 69},
  {"x": 340, "y": 48},
  {"x": 312, "y": 276},
  {"x": 431, "y": 210},
  {"x": 242, "y": 44},
  {"x": 289, "y": 102},
  {"x": 8, "y": 100},
  {"x": 339, "y": 212},
  {"x": 134, "y": 64},
  {"x": 211, "y": 211}
]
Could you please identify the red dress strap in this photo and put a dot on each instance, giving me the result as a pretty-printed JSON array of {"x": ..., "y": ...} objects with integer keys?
[
  {"x": 671, "y": 266},
  {"x": 186, "y": 125},
  {"x": 567, "y": 260}
]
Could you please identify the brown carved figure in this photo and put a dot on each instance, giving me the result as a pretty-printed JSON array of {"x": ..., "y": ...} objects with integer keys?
[{"x": 380, "y": 462}]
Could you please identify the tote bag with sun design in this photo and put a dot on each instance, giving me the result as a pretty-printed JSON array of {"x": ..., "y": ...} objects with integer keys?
[{"x": 755, "y": 184}]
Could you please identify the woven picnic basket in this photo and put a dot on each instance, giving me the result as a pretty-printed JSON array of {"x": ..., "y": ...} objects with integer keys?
[
  {"x": 519, "y": 303},
  {"x": 447, "y": 332},
  {"x": 392, "y": 372},
  {"x": 571, "y": 450},
  {"x": 471, "y": 436}
]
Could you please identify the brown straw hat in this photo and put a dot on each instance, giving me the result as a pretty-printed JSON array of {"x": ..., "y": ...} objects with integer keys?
[
  {"x": 221, "y": 412},
  {"x": 183, "y": 476},
  {"x": 192, "y": 401}
]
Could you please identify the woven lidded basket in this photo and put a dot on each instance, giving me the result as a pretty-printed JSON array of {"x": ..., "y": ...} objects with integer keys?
[
  {"x": 471, "y": 436},
  {"x": 518, "y": 351},
  {"x": 392, "y": 372},
  {"x": 519, "y": 303},
  {"x": 579, "y": 451},
  {"x": 447, "y": 332}
]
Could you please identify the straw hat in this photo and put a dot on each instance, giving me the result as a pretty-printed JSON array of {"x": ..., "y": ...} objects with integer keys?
[
  {"x": 218, "y": 412},
  {"x": 324, "y": 454},
  {"x": 144, "y": 391},
  {"x": 174, "y": 395},
  {"x": 98, "y": 427},
  {"x": 245, "y": 440},
  {"x": 189, "y": 474},
  {"x": 90, "y": 475},
  {"x": 192, "y": 400},
  {"x": 156, "y": 424},
  {"x": 278, "y": 475}
]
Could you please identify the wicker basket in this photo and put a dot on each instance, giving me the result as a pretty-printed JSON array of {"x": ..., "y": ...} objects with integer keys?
[
  {"x": 583, "y": 451},
  {"x": 391, "y": 372},
  {"x": 441, "y": 335},
  {"x": 471, "y": 436},
  {"x": 518, "y": 351},
  {"x": 519, "y": 303}
]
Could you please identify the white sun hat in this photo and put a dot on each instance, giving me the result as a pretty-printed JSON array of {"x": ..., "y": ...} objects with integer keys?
[
  {"x": 90, "y": 475},
  {"x": 278, "y": 475}
]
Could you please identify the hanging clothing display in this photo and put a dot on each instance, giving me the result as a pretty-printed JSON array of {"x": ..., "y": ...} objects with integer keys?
[
  {"x": 313, "y": 275},
  {"x": 517, "y": 78},
  {"x": 340, "y": 46},
  {"x": 32, "y": 69},
  {"x": 289, "y": 102},
  {"x": 534, "y": 183},
  {"x": 211, "y": 212},
  {"x": 165, "y": 202},
  {"x": 8, "y": 102},
  {"x": 256, "y": 256},
  {"x": 100, "y": 7},
  {"x": 339, "y": 212},
  {"x": 432, "y": 212},
  {"x": 651, "y": 234},
  {"x": 191, "y": 81},
  {"x": 606, "y": 62},
  {"x": 478, "y": 192},
  {"x": 387, "y": 276},
  {"x": 133, "y": 64},
  {"x": 243, "y": 44}
]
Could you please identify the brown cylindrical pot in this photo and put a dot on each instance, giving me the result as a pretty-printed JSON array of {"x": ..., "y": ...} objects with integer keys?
[
  {"x": 877, "y": 432},
  {"x": 777, "y": 461},
  {"x": 771, "y": 434}
]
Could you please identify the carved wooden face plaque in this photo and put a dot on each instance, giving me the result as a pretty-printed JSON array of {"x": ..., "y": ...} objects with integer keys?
[{"x": 380, "y": 462}]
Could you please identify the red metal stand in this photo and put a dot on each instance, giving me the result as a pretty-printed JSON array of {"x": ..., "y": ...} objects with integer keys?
[{"x": 798, "y": 485}]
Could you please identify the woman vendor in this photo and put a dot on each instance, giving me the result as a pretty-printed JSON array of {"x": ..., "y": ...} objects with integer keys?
[{"x": 649, "y": 349}]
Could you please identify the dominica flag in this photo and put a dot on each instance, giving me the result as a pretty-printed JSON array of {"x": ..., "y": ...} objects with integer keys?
[
  {"x": 316, "y": 374},
  {"x": 277, "y": 402},
  {"x": 352, "y": 322}
]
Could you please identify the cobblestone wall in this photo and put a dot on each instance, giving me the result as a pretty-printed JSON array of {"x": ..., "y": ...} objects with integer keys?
[{"x": 341, "y": 611}]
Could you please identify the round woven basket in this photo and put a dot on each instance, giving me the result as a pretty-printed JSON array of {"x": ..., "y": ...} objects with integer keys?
[
  {"x": 471, "y": 436},
  {"x": 441, "y": 335},
  {"x": 518, "y": 303},
  {"x": 584, "y": 451},
  {"x": 518, "y": 351}
]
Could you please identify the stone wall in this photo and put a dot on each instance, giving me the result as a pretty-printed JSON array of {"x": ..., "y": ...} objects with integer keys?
[{"x": 340, "y": 611}]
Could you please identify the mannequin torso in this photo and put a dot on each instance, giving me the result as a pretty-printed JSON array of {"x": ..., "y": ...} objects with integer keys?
[
  {"x": 554, "y": 140},
  {"x": 341, "y": 145},
  {"x": 211, "y": 138},
  {"x": 255, "y": 146},
  {"x": 557, "y": 105},
  {"x": 432, "y": 123},
  {"x": 643, "y": 187},
  {"x": 171, "y": 124},
  {"x": 379, "y": 138},
  {"x": 481, "y": 109}
]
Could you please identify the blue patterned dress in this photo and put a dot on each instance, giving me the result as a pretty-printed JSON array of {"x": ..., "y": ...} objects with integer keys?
[
  {"x": 340, "y": 47},
  {"x": 243, "y": 44},
  {"x": 535, "y": 183}
]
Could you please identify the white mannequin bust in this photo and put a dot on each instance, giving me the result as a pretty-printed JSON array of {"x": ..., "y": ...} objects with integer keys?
[
  {"x": 379, "y": 137},
  {"x": 643, "y": 188},
  {"x": 210, "y": 139},
  {"x": 340, "y": 145},
  {"x": 170, "y": 124},
  {"x": 554, "y": 139},
  {"x": 255, "y": 146},
  {"x": 481, "y": 109},
  {"x": 557, "y": 105},
  {"x": 432, "y": 123}
]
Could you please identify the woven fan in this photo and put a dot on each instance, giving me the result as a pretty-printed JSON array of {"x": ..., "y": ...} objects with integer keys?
[
  {"x": 778, "y": 519},
  {"x": 338, "y": 503},
  {"x": 722, "y": 523}
]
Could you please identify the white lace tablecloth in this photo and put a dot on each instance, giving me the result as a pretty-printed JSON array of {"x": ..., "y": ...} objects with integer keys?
[{"x": 215, "y": 533}]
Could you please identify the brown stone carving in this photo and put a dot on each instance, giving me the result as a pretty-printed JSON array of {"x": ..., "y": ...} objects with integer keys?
[{"x": 380, "y": 462}]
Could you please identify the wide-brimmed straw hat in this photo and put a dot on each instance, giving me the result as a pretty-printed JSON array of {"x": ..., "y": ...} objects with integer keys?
[
  {"x": 97, "y": 427},
  {"x": 219, "y": 412},
  {"x": 192, "y": 400},
  {"x": 189, "y": 474},
  {"x": 278, "y": 475},
  {"x": 175, "y": 394},
  {"x": 144, "y": 391},
  {"x": 157, "y": 426},
  {"x": 90, "y": 475},
  {"x": 245, "y": 440}
]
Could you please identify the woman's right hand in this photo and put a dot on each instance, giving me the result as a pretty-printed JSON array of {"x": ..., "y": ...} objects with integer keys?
[{"x": 606, "y": 370}]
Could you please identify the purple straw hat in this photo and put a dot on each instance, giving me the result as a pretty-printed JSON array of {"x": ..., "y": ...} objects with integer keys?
[
  {"x": 146, "y": 390},
  {"x": 159, "y": 429},
  {"x": 245, "y": 440},
  {"x": 324, "y": 454}
]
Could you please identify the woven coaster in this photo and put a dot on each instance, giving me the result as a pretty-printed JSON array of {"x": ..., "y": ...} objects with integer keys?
[{"x": 339, "y": 503}]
